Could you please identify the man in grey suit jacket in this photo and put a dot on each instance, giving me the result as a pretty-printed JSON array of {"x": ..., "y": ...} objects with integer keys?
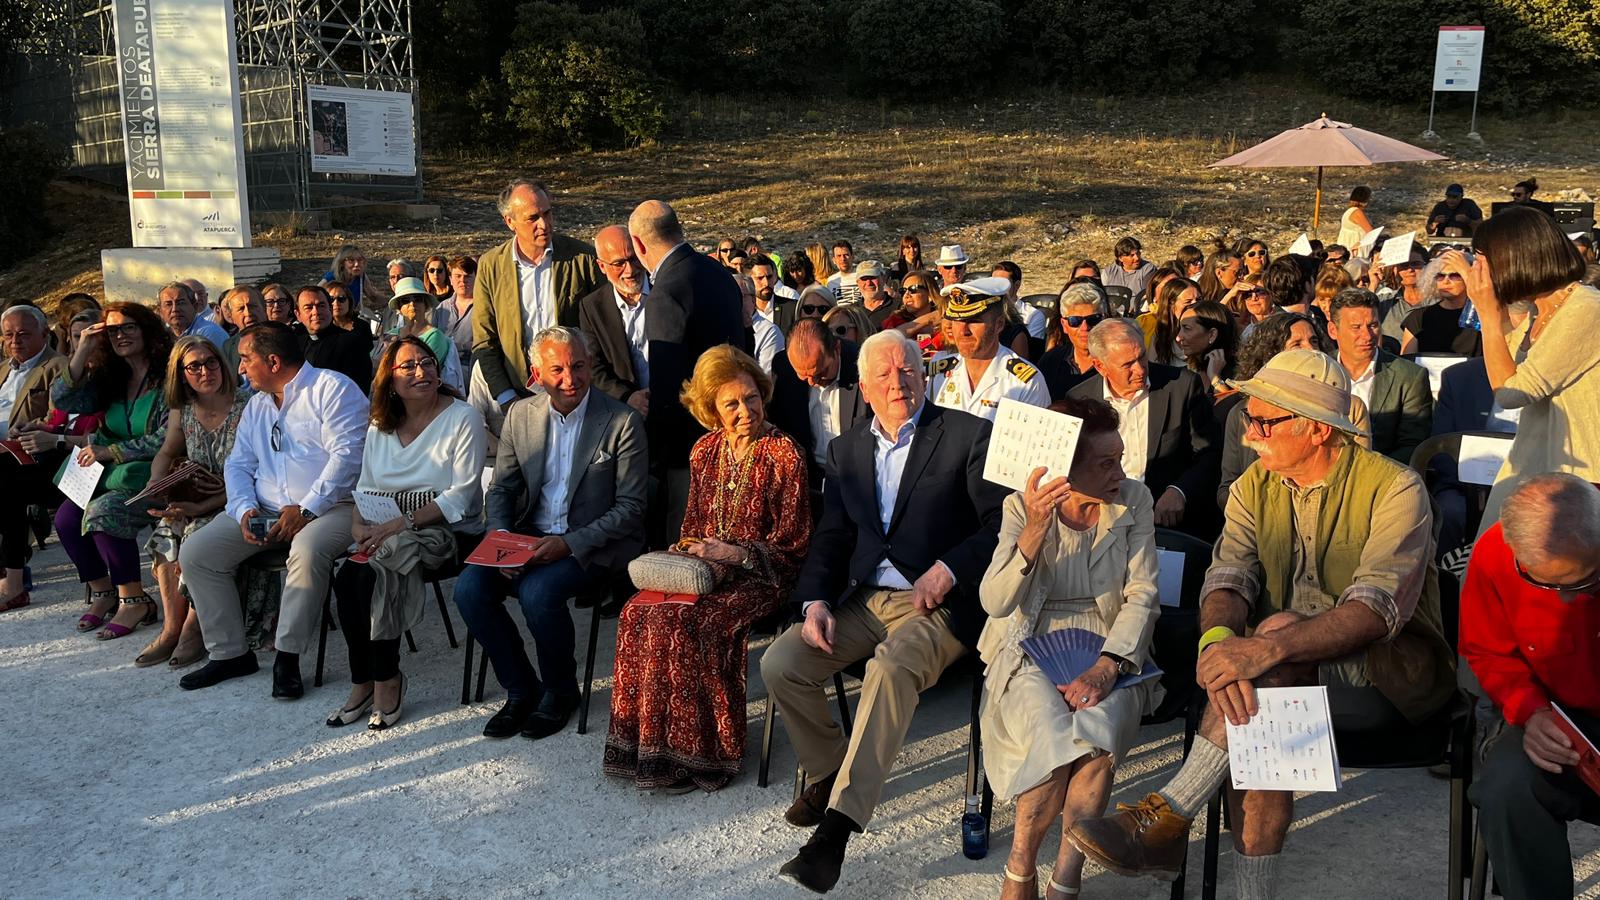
[
  {"x": 1395, "y": 390},
  {"x": 572, "y": 471}
]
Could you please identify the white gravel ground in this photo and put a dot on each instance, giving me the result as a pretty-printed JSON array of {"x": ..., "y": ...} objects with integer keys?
[{"x": 117, "y": 784}]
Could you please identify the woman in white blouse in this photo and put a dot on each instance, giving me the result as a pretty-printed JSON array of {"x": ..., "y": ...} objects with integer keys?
[
  {"x": 424, "y": 452},
  {"x": 1076, "y": 552}
]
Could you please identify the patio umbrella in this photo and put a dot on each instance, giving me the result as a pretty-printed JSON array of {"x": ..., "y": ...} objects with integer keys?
[{"x": 1326, "y": 143}]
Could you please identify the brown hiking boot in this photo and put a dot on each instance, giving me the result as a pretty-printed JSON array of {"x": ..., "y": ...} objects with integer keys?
[
  {"x": 1144, "y": 838},
  {"x": 808, "y": 808}
]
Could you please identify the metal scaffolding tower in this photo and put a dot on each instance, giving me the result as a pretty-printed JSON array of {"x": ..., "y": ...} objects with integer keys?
[{"x": 67, "y": 80}]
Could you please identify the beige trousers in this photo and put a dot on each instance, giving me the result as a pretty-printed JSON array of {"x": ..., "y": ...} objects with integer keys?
[{"x": 908, "y": 652}]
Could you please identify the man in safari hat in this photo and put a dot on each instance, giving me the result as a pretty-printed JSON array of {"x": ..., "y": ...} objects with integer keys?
[
  {"x": 952, "y": 264},
  {"x": 981, "y": 373},
  {"x": 1323, "y": 576}
]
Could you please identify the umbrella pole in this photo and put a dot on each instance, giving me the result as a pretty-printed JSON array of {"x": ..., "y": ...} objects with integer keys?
[{"x": 1316, "y": 211}]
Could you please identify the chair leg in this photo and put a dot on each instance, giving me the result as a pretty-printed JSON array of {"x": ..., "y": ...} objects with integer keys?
[
  {"x": 444, "y": 614},
  {"x": 844, "y": 702},
  {"x": 411, "y": 642},
  {"x": 766, "y": 741},
  {"x": 1208, "y": 879},
  {"x": 1480, "y": 870},
  {"x": 483, "y": 673},
  {"x": 466, "y": 670},
  {"x": 322, "y": 637},
  {"x": 588, "y": 668}
]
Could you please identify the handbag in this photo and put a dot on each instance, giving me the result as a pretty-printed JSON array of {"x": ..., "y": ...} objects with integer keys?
[{"x": 672, "y": 573}]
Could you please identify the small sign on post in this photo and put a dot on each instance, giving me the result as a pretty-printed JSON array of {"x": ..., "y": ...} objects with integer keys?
[{"x": 1457, "y": 63}]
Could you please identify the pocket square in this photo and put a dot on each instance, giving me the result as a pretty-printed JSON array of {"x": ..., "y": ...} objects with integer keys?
[{"x": 601, "y": 458}]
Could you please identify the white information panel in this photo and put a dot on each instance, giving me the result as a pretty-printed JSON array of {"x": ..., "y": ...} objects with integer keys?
[
  {"x": 1459, "y": 58},
  {"x": 361, "y": 132},
  {"x": 179, "y": 92}
]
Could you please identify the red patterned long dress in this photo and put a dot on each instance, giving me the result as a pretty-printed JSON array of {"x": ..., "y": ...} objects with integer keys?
[{"x": 678, "y": 696}]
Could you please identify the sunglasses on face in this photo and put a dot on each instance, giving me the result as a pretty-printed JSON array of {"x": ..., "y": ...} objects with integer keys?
[
  {"x": 810, "y": 310},
  {"x": 1447, "y": 276},
  {"x": 1336, "y": 258},
  {"x": 915, "y": 289},
  {"x": 724, "y": 250},
  {"x": 1256, "y": 254},
  {"x": 435, "y": 271},
  {"x": 1265, "y": 426},
  {"x": 1080, "y": 321},
  {"x": 871, "y": 278},
  {"x": 1589, "y": 584},
  {"x": 842, "y": 330}
]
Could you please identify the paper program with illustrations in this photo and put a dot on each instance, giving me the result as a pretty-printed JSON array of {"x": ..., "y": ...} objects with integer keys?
[
  {"x": 1287, "y": 745},
  {"x": 1026, "y": 437}
]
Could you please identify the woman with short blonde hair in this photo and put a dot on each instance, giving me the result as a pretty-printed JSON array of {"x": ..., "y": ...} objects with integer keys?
[{"x": 678, "y": 696}]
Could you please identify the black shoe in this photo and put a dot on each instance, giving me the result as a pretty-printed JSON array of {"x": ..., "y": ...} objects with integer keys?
[
  {"x": 510, "y": 719},
  {"x": 816, "y": 867},
  {"x": 286, "y": 683},
  {"x": 808, "y": 808},
  {"x": 551, "y": 717},
  {"x": 218, "y": 671}
]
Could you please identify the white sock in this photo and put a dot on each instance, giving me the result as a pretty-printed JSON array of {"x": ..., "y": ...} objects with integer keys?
[
  {"x": 1255, "y": 876},
  {"x": 1198, "y": 779}
]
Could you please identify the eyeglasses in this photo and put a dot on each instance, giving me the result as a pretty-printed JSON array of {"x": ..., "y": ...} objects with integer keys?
[
  {"x": 1265, "y": 426},
  {"x": 1518, "y": 195},
  {"x": 277, "y": 302},
  {"x": 1256, "y": 254},
  {"x": 619, "y": 263},
  {"x": 126, "y": 329},
  {"x": 1592, "y": 583},
  {"x": 432, "y": 270},
  {"x": 277, "y": 438},
  {"x": 811, "y": 310},
  {"x": 842, "y": 330},
  {"x": 410, "y": 366},
  {"x": 871, "y": 278},
  {"x": 209, "y": 364},
  {"x": 724, "y": 249},
  {"x": 1080, "y": 321},
  {"x": 915, "y": 289},
  {"x": 1448, "y": 276}
]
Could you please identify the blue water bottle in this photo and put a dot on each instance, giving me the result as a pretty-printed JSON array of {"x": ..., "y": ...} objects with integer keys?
[{"x": 974, "y": 831}]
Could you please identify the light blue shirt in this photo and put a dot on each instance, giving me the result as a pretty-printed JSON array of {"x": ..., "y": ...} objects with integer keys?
[{"x": 209, "y": 330}]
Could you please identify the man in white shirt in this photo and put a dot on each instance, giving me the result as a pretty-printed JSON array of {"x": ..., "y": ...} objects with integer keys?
[
  {"x": 181, "y": 311},
  {"x": 843, "y": 282},
  {"x": 1032, "y": 316},
  {"x": 572, "y": 470},
  {"x": 777, "y": 309},
  {"x": 768, "y": 338},
  {"x": 1396, "y": 391},
  {"x": 202, "y": 299},
  {"x": 25, "y": 332},
  {"x": 816, "y": 394},
  {"x": 294, "y": 464},
  {"x": 982, "y": 373}
]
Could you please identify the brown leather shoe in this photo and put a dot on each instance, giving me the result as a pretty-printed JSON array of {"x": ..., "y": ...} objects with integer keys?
[
  {"x": 1144, "y": 838},
  {"x": 808, "y": 809}
]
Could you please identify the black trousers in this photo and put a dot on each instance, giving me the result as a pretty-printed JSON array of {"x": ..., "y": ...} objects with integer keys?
[
  {"x": 370, "y": 659},
  {"x": 24, "y": 486},
  {"x": 1524, "y": 812}
]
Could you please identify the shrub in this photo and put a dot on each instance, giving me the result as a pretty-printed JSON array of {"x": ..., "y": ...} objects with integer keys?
[
  {"x": 1112, "y": 45},
  {"x": 29, "y": 161},
  {"x": 743, "y": 46},
  {"x": 576, "y": 79},
  {"x": 949, "y": 44},
  {"x": 1536, "y": 51},
  {"x": 459, "y": 46}
]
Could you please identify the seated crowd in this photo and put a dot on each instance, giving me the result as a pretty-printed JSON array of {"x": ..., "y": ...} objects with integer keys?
[{"x": 813, "y": 429}]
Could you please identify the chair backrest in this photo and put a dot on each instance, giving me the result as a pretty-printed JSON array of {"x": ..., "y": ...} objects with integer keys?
[
  {"x": 1174, "y": 645},
  {"x": 1046, "y": 302},
  {"x": 1119, "y": 300},
  {"x": 1477, "y": 456}
]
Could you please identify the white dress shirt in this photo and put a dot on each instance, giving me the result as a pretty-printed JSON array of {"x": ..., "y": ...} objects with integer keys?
[
  {"x": 889, "y": 455},
  {"x": 1134, "y": 427},
  {"x": 822, "y": 403},
  {"x": 12, "y": 386},
  {"x": 1032, "y": 318},
  {"x": 769, "y": 339},
  {"x": 1362, "y": 386},
  {"x": 560, "y": 443},
  {"x": 538, "y": 292},
  {"x": 633, "y": 330},
  {"x": 320, "y": 430}
]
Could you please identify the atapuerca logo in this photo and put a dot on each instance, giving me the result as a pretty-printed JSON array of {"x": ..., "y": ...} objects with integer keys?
[{"x": 218, "y": 227}]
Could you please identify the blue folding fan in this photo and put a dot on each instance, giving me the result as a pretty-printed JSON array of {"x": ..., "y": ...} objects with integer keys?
[{"x": 1065, "y": 654}]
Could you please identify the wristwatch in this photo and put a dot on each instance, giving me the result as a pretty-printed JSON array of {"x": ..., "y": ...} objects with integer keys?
[
  {"x": 307, "y": 514},
  {"x": 1124, "y": 666},
  {"x": 411, "y": 523}
]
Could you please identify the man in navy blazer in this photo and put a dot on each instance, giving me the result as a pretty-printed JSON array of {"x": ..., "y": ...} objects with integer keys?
[
  {"x": 694, "y": 305},
  {"x": 908, "y": 528}
]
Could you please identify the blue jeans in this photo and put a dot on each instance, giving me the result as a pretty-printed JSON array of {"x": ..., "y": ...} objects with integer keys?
[{"x": 543, "y": 592}]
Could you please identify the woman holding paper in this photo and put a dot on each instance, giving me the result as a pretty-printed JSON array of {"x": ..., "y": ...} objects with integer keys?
[
  {"x": 1548, "y": 366},
  {"x": 422, "y": 466},
  {"x": 206, "y": 402},
  {"x": 117, "y": 370},
  {"x": 1074, "y": 552}
]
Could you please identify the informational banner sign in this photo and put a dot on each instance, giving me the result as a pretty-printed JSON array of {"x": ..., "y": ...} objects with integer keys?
[
  {"x": 361, "y": 132},
  {"x": 179, "y": 91},
  {"x": 1459, "y": 58}
]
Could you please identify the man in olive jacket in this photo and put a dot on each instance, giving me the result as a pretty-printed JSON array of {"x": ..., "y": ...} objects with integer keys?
[{"x": 527, "y": 284}]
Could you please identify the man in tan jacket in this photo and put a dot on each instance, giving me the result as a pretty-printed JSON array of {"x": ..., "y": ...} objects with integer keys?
[{"x": 529, "y": 283}]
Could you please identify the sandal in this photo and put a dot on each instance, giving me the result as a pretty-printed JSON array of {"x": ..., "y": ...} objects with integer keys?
[
  {"x": 113, "y": 630},
  {"x": 186, "y": 655},
  {"x": 1062, "y": 889},
  {"x": 156, "y": 653},
  {"x": 89, "y": 621},
  {"x": 16, "y": 601},
  {"x": 1021, "y": 879}
]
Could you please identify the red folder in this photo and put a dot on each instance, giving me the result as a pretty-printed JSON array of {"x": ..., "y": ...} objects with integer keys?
[
  {"x": 504, "y": 550},
  {"x": 15, "y": 449},
  {"x": 656, "y": 598},
  {"x": 1588, "y": 756}
]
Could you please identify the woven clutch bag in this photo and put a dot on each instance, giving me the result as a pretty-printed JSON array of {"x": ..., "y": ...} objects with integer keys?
[{"x": 672, "y": 573}]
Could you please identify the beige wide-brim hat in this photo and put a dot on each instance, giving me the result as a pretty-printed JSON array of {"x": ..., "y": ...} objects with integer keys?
[
  {"x": 951, "y": 255},
  {"x": 1308, "y": 383}
]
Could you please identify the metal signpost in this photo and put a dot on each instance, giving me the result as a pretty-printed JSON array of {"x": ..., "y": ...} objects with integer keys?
[{"x": 1457, "y": 63}]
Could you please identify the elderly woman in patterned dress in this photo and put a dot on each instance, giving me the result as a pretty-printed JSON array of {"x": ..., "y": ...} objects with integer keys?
[{"x": 677, "y": 705}]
